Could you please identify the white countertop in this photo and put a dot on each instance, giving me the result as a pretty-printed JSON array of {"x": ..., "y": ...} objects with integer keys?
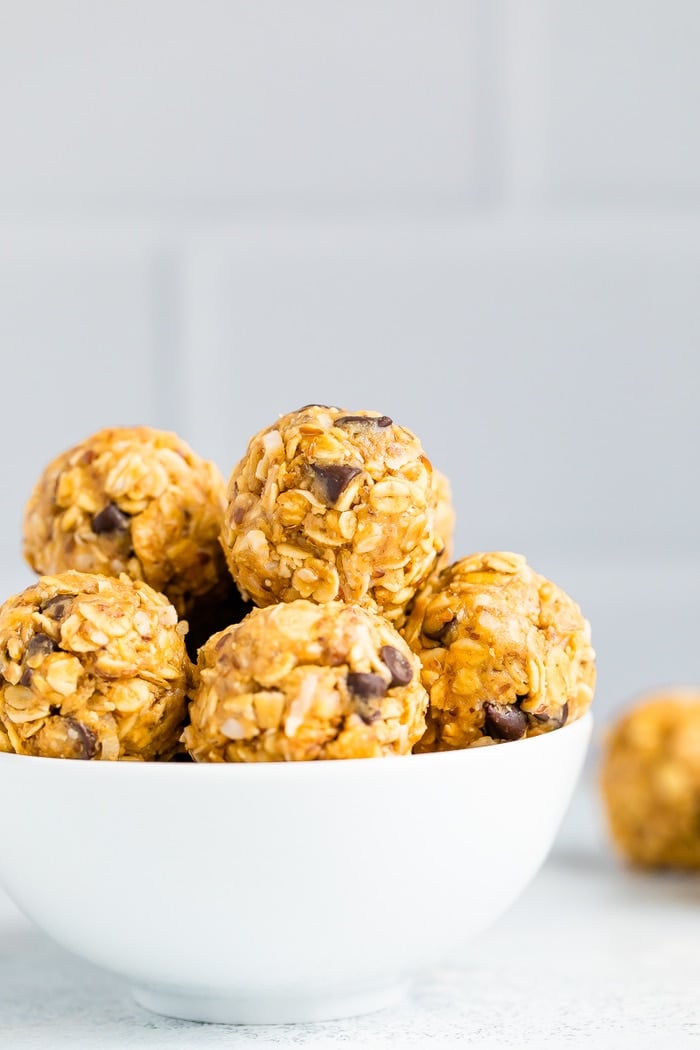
[{"x": 591, "y": 955}]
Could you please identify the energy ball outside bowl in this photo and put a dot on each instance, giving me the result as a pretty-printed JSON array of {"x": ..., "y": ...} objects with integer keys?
[
  {"x": 650, "y": 780},
  {"x": 327, "y": 505},
  {"x": 133, "y": 500},
  {"x": 505, "y": 653},
  {"x": 306, "y": 681},
  {"x": 91, "y": 667}
]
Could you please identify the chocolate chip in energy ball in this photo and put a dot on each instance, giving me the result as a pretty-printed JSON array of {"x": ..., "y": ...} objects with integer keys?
[
  {"x": 110, "y": 519},
  {"x": 441, "y": 633},
  {"x": 364, "y": 421},
  {"x": 332, "y": 480},
  {"x": 84, "y": 737},
  {"x": 365, "y": 685},
  {"x": 400, "y": 668},
  {"x": 504, "y": 721},
  {"x": 40, "y": 645},
  {"x": 366, "y": 689},
  {"x": 556, "y": 723},
  {"x": 57, "y": 607}
]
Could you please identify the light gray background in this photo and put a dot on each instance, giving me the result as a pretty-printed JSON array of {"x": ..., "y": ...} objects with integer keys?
[{"x": 479, "y": 216}]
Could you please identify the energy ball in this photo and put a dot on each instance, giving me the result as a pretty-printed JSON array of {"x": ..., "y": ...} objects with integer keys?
[
  {"x": 91, "y": 667},
  {"x": 306, "y": 681},
  {"x": 330, "y": 505},
  {"x": 505, "y": 653},
  {"x": 650, "y": 780},
  {"x": 133, "y": 500}
]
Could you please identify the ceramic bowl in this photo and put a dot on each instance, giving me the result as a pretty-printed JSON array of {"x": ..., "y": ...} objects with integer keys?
[{"x": 280, "y": 892}]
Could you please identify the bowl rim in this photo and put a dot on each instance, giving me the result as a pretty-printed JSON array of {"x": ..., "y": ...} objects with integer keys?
[{"x": 308, "y": 767}]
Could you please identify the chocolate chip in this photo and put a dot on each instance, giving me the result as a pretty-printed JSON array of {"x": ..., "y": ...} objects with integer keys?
[
  {"x": 363, "y": 421},
  {"x": 504, "y": 721},
  {"x": 110, "y": 519},
  {"x": 332, "y": 480},
  {"x": 368, "y": 711},
  {"x": 314, "y": 404},
  {"x": 556, "y": 723},
  {"x": 55, "y": 608},
  {"x": 85, "y": 737},
  {"x": 41, "y": 645},
  {"x": 366, "y": 686},
  {"x": 26, "y": 679},
  {"x": 442, "y": 632},
  {"x": 367, "y": 691},
  {"x": 401, "y": 670}
]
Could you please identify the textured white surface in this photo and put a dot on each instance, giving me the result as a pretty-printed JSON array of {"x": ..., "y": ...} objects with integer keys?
[{"x": 591, "y": 955}]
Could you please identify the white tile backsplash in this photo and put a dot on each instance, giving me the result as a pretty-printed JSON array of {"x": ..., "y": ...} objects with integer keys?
[{"x": 222, "y": 100}]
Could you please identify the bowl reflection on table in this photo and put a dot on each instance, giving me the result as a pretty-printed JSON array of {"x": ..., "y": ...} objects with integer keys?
[{"x": 280, "y": 892}]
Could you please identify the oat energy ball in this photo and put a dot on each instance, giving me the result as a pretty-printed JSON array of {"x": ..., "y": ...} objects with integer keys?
[
  {"x": 650, "y": 780},
  {"x": 505, "y": 653},
  {"x": 91, "y": 667},
  {"x": 326, "y": 504},
  {"x": 133, "y": 500},
  {"x": 306, "y": 681}
]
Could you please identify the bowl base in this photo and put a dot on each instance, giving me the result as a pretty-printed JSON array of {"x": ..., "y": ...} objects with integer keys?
[{"x": 266, "y": 1009}]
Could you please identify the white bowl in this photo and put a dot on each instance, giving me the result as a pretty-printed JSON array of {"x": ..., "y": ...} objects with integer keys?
[{"x": 277, "y": 893}]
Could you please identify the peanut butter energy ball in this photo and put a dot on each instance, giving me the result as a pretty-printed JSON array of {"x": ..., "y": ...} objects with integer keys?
[
  {"x": 505, "y": 653},
  {"x": 91, "y": 667},
  {"x": 326, "y": 504},
  {"x": 133, "y": 500},
  {"x": 650, "y": 779},
  {"x": 306, "y": 681}
]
